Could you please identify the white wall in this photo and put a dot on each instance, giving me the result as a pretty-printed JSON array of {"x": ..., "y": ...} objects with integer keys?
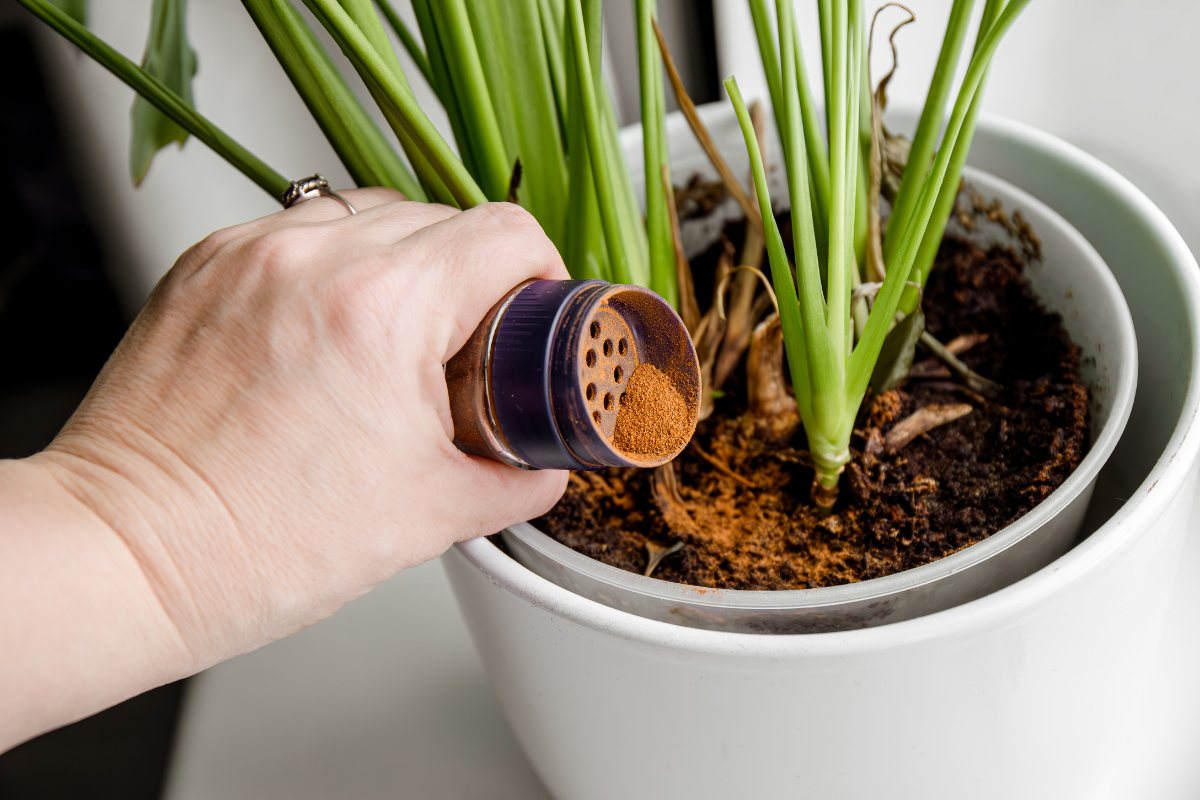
[
  {"x": 620, "y": 42},
  {"x": 1118, "y": 78}
]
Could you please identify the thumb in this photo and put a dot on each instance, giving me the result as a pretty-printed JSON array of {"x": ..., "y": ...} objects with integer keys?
[{"x": 494, "y": 495}]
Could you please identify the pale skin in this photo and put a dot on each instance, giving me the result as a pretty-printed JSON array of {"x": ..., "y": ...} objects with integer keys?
[{"x": 271, "y": 439}]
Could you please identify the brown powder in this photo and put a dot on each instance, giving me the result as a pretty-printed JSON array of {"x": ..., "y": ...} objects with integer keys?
[
  {"x": 655, "y": 421},
  {"x": 945, "y": 490}
]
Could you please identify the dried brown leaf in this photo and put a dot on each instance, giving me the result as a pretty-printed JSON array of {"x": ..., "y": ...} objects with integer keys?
[
  {"x": 669, "y": 501},
  {"x": 923, "y": 421},
  {"x": 770, "y": 401}
]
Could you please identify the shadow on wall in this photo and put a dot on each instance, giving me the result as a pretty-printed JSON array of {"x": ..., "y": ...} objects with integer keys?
[
  {"x": 59, "y": 321},
  {"x": 688, "y": 27}
]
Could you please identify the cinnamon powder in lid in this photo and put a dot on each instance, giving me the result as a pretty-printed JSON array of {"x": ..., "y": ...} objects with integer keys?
[{"x": 654, "y": 421}]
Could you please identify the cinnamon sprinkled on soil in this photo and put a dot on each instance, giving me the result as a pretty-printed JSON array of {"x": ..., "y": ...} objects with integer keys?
[
  {"x": 945, "y": 490},
  {"x": 653, "y": 422}
]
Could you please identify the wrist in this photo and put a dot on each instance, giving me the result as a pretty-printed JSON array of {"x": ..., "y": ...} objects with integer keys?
[
  {"x": 179, "y": 533},
  {"x": 80, "y": 625},
  {"x": 218, "y": 566}
]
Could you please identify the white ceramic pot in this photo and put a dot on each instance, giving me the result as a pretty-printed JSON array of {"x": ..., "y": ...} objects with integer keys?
[
  {"x": 1022, "y": 693},
  {"x": 1071, "y": 280}
]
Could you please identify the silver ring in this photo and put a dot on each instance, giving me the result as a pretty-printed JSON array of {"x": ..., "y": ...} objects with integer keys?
[{"x": 308, "y": 188}]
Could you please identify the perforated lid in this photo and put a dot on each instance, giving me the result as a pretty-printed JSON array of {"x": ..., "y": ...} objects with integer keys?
[{"x": 563, "y": 356}]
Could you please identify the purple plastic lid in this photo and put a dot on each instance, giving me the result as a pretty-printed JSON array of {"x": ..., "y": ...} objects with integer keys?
[{"x": 521, "y": 366}]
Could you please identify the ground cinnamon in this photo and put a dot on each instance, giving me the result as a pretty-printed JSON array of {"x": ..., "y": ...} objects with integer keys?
[
  {"x": 654, "y": 420},
  {"x": 948, "y": 488}
]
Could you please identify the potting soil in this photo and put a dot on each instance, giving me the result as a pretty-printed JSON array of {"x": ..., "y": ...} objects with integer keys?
[{"x": 753, "y": 525}]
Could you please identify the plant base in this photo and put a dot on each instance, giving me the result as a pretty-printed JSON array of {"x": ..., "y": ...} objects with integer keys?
[{"x": 748, "y": 495}]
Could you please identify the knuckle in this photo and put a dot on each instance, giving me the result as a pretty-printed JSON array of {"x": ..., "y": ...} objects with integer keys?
[
  {"x": 199, "y": 259},
  {"x": 511, "y": 217},
  {"x": 278, "y": 251},
  {"x": 434, "y": 212},
  {"x": 356, "y": 303},
  {"x": 212, "y": 244},
  {"x": 421, "y": 215},
  {"x": 381, "y": 194},
  {"x": 444, "y": 211},
  {"x": 521, "y": 235}
]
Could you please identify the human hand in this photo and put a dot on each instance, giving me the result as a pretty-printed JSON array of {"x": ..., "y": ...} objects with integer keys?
[{"x": 273, "y": 436}]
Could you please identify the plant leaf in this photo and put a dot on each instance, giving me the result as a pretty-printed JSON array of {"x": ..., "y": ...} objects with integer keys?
[
  {"x": 355, "y": 137},
  {"x": 160, "y": 95},
  {"x": 862, "y": 361},
  {"x": 896, "y": 355},
  {"x": 512, "y": 49},
  {"x": 75, "y": 9},
  {"x": 608, "y": 167},
  {"x": 168, "y": 58},
  {"x": 432, "y": 158},
  {"x": 925, "y": 140}
]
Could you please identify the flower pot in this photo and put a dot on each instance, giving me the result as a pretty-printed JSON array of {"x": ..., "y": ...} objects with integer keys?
[
  {"x": 1071, "y": 280},
  {"x": 1022, "y": 692}
]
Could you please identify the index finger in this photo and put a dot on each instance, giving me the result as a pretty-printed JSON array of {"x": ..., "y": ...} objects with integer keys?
[{"x": 324, "y": 209}]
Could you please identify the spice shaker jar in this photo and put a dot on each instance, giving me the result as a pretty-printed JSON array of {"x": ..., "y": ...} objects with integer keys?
[{"x": 576, "y": 375}]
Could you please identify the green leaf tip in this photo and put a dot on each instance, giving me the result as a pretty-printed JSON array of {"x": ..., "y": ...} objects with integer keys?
[
  {"x": 169, "y": 58},
  {"x": 896, "y": 355},
  {"x": 75, "y": 9}
]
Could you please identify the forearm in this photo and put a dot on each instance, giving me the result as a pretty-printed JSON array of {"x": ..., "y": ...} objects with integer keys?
[{"x": 80, "y": 626}]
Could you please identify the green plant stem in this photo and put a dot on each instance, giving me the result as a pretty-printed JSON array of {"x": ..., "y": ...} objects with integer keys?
[
  {"x": 925, "y": 138},
  {"x": 549, "y": 12},
  {"x": 663, "y": 278},
  {"x": 806, "y": 339},
  {"x": 769, "y": 54},
  {"x": 443, "y": 87},
  {"x": 397, "y": 101},
  {"x": 790, "y": 317},
  {"x": 351, "y": 131},
  {"x": 825, "y": 24},
  {"x": 587, "y": 254},
  {"x": 606, "y": 192},
  {"x": 819, "y": 395},
  {"x": 814, "y": 136},
  {"x": 76, "y": 9},
  {"x": 862, "y": 360},
  {"x": 493, "y": 162},
  {"x": 157, "y": 93},
  {"x": 633, "y": 225},
  {"x": 818, "y": 155},
  {"x": 843, "y": 181},
  {"x": 856, "y": 202},
  {"x": 407, "y": 39},
  {"x": 949, "y": 191},
  {"x": 522, "y": 93},
  {"x": 863, "y": 153},
  {"x": 363, "y": 17}
]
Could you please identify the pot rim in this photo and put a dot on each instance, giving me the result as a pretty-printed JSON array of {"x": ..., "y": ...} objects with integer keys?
[
  {"x": 935, "y": 571},
  {"x": 1166, "y": 477}
]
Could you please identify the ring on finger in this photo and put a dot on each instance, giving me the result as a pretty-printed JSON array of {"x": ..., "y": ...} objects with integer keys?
[{"x": 310, "y": 187}]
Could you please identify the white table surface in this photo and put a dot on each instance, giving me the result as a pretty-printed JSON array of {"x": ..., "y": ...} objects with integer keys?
[{"x": 388, "y": 699}]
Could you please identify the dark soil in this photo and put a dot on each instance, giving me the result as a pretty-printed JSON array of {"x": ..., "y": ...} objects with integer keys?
[{"x": 754, "y": 524}]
